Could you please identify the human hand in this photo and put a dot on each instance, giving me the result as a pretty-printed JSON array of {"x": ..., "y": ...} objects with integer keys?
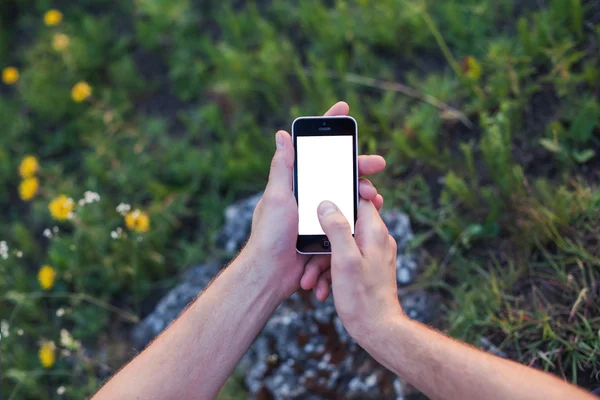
[
  {"x": 272, "y": 243},
  {"x": 363, "y": 268}
]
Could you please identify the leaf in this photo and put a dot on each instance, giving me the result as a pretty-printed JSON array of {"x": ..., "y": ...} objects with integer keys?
[
  {"x": 16, "y": 297},
  {"x": 471, "y": 232},
  {"x": 24, "y": 300},
  {"x": 584, "y": 123},
  {"x": 551, "y": 145},
  {"x": 420, "y": 239},
  {"x": 17, "y": 375},
  {"x": 583, "y": 156},
  {"x": 490, "y": 230},
  {"x": 576, "y": 9}
]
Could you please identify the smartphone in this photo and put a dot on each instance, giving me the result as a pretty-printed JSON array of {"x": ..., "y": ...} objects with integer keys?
[{"x": 325, "y": 168}]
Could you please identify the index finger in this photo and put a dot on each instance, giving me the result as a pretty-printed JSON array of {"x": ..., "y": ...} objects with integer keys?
[
  {"x": 369, "y": 165},
  {"x": 370, "y": 228},
  {"x": 339, "y": 108}
]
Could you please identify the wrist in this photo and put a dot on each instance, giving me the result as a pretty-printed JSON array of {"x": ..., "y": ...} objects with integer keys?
[
  {"x": 385, "y": 339},
  {"x": 257, "y": 276},
  {"x": 373, "y": 333}
]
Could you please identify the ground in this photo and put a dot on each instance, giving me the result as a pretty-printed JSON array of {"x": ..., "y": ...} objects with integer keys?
[{"x": 487, "y": 113}]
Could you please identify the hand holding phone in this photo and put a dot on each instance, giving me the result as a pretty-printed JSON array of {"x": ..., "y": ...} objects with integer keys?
[
  {"x": 325, "y": 168},
  {"x": 274, "y": 236}
]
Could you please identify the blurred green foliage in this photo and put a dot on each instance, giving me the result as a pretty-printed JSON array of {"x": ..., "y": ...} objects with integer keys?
[{"x": 487, "y": 113}]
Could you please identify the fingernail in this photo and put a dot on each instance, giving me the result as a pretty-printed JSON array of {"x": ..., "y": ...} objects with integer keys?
[
  {"x": 326, "y": 207},
  {"x": 279, "y": 140}
]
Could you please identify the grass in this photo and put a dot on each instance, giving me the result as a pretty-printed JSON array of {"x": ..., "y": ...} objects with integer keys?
[{"x": 487, "y": 113}]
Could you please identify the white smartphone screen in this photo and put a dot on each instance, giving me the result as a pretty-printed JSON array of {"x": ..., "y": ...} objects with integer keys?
[{"x": 325, "y": 167}]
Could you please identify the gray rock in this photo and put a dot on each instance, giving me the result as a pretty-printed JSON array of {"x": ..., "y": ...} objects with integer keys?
[
  {"x": 304, "y": 351},
  {"x": 238, "y": 221},
  {"x": 404, "y": 275},
  {"x": 486, "y": 344},
  {"x": 398, "y": 225},
  {"x": 418, "y": 305}
]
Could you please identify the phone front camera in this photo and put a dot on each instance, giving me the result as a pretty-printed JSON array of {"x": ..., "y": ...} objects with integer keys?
[{"x": 324, "y": 123}]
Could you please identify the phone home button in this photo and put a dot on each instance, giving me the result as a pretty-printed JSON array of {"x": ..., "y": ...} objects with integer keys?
[{"x": 326, "y": 244}]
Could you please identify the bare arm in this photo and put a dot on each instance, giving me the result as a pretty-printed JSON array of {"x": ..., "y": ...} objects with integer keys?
[
  {"x": 365, "y": 294},
  {"x": 444, "y": 368},
  {"x": 194, "y": 357}
]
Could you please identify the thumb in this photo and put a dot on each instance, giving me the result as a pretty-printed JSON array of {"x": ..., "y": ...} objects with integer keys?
[
  {"x": 282, "y": 165},
  {"x": 337, "y": 229}
]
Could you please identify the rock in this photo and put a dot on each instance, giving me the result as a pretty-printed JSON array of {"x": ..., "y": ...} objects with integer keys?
[
  {"x": 418, "y": 305},
  {"x": 486, "y": 345},
  {"x": 398, "y": 225},
  {"x": 303, "y": 352},
  {"x": 238, "y": 220}
]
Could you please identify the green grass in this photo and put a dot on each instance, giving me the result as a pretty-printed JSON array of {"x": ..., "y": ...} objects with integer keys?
[{"x": 487, "y": 113}]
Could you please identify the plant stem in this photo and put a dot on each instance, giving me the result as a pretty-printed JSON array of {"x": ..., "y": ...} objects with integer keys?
[
  {"x": 399, "y": 88},
  {"x": 77, "y": 296},
  {"x": 447, "y": 53},
  {"x": 136, "y": 295}
]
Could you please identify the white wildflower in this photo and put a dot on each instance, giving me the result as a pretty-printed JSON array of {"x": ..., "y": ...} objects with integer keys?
[
  {"x": 19, "y": 254},
  {"x": 91, "y": 197},
  {"x": 3, "y": 250},
  {"x": 60, "y": 312},
  {"x": 66, "y": 339},
  {"x": 47, "y": 233},
  {"x": 123, "y": 208},
  {"x": 117, "y": 233},
  {"x": 55, "y": 229},
  {"x": 4, "y": 328},
  {"x": 20, "y": 332},
  {"x": 60, "y": 390}
]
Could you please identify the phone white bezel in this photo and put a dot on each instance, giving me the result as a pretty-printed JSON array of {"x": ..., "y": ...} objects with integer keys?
[{"x": 355, "y": 165}]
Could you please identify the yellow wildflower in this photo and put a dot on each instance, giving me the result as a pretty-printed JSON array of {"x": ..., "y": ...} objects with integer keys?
[
  {"x": 47, "y": 354},
  {"x": 61, "y": 207},
  {"x": 28, "y": 188},
  {"x": 46, "y": 276},
  {"x": 10, "y": 75},
  {"x": 137, "y": 221},
  {"x": 471, "y": 68},
  {"x": 60, "y": 41},
  {"x": 29, "y": 167},
  {"x": 81, "y": 91},
  {"x": 53, "y": 18}
]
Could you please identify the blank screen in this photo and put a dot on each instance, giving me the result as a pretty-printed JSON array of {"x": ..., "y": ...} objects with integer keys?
[{"x": 325, "y": 172}]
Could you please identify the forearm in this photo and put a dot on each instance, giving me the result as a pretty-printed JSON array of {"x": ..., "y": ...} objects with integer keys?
[
  {"x": 197, "y": 353},
  {"x": 444, "y": 368}
]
